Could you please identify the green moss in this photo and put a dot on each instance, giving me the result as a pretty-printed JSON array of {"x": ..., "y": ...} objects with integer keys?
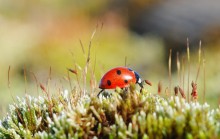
[{"x": 125, "y": 114}]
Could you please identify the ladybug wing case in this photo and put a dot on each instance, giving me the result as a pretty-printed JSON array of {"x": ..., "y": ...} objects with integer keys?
[{"x": 117, "y": 77}]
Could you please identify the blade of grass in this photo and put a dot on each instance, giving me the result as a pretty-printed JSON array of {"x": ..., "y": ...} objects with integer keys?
[
  {"x": 170, "y": 74},
  {"x": 69, "y": 80},
  {"x": 25, "y": 79},
  {"x": 9, "y": 84},
  {"x": 49, "y": 80},
  {"x": 88, "y": 60},
  {"x": 178, "y": 67},
  {"x": 199, "y": 58},
  {"x": 81, "y": 44},
  {"x": 93, "y": 77},
  {"x": 183, "y": 72},
  {"x": 188, "y": 81},
  {"x": 204, "y": 76},
  {"x": 77, "y": 75},
  {"x": 36, "y": 81}
]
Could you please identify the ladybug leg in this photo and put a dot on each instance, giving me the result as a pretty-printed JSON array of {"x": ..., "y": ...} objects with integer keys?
[
  {"x": 141, "y": 85},
  {"x": 144, "y": 81},
  {"x": 126, "y": 89},
  {"x": 100, "y": 92}
]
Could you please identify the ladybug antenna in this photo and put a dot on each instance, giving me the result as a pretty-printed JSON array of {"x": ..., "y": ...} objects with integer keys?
[{"x": 141, "y": 85}]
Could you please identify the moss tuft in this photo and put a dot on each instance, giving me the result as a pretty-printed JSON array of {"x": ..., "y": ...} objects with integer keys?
[{"x": 124, "y": 114}]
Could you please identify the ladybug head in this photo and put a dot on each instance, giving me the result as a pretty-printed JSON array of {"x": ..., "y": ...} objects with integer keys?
[{"x": 137, "y": 76}]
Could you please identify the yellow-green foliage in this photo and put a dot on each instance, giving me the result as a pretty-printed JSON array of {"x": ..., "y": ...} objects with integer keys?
[{"x": 123, "y": 114}]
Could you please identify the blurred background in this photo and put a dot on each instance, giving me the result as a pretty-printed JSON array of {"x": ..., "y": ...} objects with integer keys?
[{"x": 42, "y": 35}]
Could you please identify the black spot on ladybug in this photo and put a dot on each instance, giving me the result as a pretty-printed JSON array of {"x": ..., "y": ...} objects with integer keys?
[
  {"x": 126, "y": 81},
  {"x": 109, "y": 82},
  {"x": 118, "y": 72}
]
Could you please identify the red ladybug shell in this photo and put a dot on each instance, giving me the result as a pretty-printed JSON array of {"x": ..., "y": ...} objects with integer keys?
[{"x": 117, "y": 77}]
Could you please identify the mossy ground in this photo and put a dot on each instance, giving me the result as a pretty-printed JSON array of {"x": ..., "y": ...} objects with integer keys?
[{"x": 124, "y": 114}]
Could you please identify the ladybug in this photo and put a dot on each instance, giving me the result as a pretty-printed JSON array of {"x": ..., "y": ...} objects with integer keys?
[{"x": 119, "y": 77}]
